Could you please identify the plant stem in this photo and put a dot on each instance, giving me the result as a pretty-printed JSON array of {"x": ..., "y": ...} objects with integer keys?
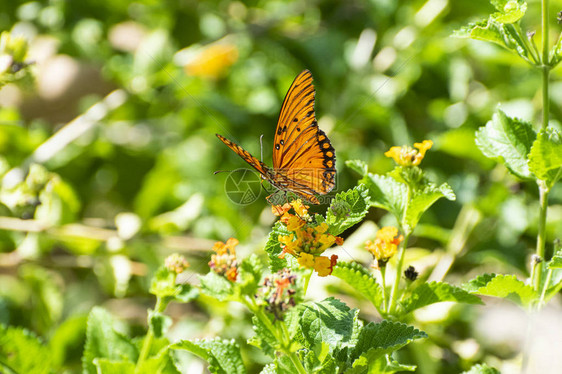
[
  {"x": 147, "y": 342},
  {"x": 545, "y": 287},
  {"x": 394, "y": 292},
  {"x": 541, "y": 236},
  {"x": 307, "y": 280},
  {"x": 545, "y": 64},
  {"x": 383, "y": 276}
]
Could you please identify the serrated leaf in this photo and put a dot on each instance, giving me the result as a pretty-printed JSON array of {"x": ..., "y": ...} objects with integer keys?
[
  {"x": 503, "y": 286},
  {"x": 328, "y": 322},
  {"x": 387, "y": 193},
  {"x": 273, "y": 247},
  {"x": 263, "y": 339},
  {"x": 250, "y": 274},
  {"x": 503, "y": 34},
  {"x": 216, "y": 286},
  {"x": 223, "y": 356},
  {"x": 510, "y": 11},
  {"x": 545, "y": 157},
  {"x": 423, "y": 200},
  {"x": 23, "y": 352},
  {"x": 347, "y": 209},
  {"x": 377, "y": 340},
  {"x": 106, "y": 366},
  {"x": 436, "y": 292},
  {"x": 481, "y": 369},
  {"x": 103, "y": 341},
  {"x": 509, "y": 140},
  {"x": 361, "y": 280},
  {"x": 357, "y": 165}
]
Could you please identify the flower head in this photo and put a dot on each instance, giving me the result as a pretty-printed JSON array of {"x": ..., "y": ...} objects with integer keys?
[
  {"x": 224, "y": 261},
  {"x": 176, "y": 263},
  {"x": 212, "y": 61},
  {"x": 385, "y": 244},
  {"x": 410, "y": 273},
  {"x": 308, "y": 239},
  {"x": 278, "y": 292},
  {"x": 408, "y": 156}
]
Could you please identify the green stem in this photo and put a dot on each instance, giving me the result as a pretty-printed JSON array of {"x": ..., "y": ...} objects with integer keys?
[
  {"x": 307, "y": 280},
  {"x": 383, "y": 276},
  {"x": 545, "y": 288},
  {"x": 541, "y": 236},
  {"x": 394, "y": 292},
  {"x": 279, "y": 333},
  {"x": 545, "y": 65},
  {"x": 149, "y": 338}
]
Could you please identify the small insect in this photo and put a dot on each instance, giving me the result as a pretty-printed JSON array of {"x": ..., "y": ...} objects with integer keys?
[{"x": 304, "y": 161}]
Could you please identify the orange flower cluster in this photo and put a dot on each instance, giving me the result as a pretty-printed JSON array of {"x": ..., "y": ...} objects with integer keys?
[
  {"x": 224, "y": 262},
  {"x": 385, "y": 245},
  {"x": 213, "y": 60},
  {"x": 308, "y": 240},
  {"x": 408, "y": 156}
]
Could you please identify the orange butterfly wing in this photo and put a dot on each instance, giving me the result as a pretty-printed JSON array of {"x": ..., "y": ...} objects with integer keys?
[
  {"x": 246, "y": 156},
  {"x": 303, "y": 158}
]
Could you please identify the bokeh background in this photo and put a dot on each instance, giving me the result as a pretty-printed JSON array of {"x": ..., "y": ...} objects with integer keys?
[{"x": 108, "y": 148}]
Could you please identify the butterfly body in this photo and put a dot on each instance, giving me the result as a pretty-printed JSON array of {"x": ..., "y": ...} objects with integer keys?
[{"x": 303, "y": 158}]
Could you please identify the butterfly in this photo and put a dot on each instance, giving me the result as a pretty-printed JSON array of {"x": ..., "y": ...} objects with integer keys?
[{"x": 304, "y": 161}]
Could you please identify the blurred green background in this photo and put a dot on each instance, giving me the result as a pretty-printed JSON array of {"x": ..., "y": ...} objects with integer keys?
[{"x": 107, "y": 155}]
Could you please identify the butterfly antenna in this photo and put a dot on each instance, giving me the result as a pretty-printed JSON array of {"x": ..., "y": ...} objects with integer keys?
[
  {"x": 222, "y": 171},
  {"x": 261, "y": 147}
]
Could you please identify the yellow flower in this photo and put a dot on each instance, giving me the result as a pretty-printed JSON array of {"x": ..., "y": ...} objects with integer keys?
[
  {"x": 299, "y": 207},
  {"x": 385, "y": 245},
  {"x": 280, "y": 210},
  {"x": 306, "y": 260},
  {"x": 224, "y": 261},
  {"x": 212, "y": 61},
  {"x": 321, "y": 228},
  {"x": 294, "y": 223},
  {"x": 324, "y": 265},
  {"x": 408, "y": 156}
]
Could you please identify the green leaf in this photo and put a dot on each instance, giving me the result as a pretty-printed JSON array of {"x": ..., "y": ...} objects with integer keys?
[
  {"x": 555, "y": 262},
  {"x": 436, "y": 292},
  {"x": 509, "y": 140},
  {"x": 377, "y": 340},
  {"x": 223, "y": 356},
  {"x": 386, "y": 365},
  {"x": 503, "y": 34},
  {"x": 106, "y": 366},
  {"x": 361, "y": 280},
  {"x": 387, "y": 193},
  {"x": 22, "y": 352},
  {"x": 556, "y": 53},
  {"x": 347, "y": 209},
  {"x": 159, "y": 322},
  {"x": 481, "y": 369},
  {"x": 103, "y": 341},
  {"x": 160, "y": 363},
  {"x": 504, "y": 286},
  {"x": 510, "y": 11},
  {"x": 357, "y": 165},
  {"x": 329, "y": 321},
  {"x": 263, "y": 339},
  {"x": 545, "y": 158},
  {"x": 250, "y": 274},
  {"x": 216, "y": 286},
  {"x": 423, "y": 199},
  {"x": 164, "y": 285},
  {"x": 273, "y": 247},
  {"x": 68, "y": 340}
]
